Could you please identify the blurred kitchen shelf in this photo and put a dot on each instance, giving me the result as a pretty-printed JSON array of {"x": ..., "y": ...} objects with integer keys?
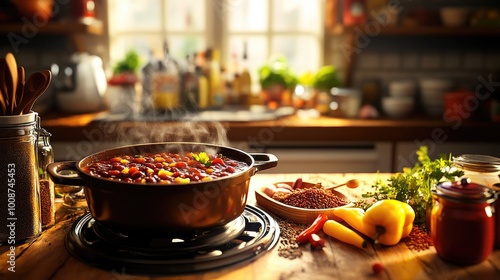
[
  {"x": 93, "y": 27},
  {"x": 420, "y": 30}
]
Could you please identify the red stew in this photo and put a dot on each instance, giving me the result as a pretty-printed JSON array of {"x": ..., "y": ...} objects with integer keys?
[{"x": 166, "y": 168}]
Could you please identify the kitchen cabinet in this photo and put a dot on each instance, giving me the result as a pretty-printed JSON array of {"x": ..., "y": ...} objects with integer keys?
[
  {"x": 93, "y": 27},
  {"x": 73, "y": 29}
]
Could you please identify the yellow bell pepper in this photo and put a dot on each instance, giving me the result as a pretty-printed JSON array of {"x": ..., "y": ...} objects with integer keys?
[
  {"x": 387, "y": 221},
  {"x": 353, "y": 217},
  {"x": 344, "y": 234},
  {"x": 409, "y": 218}
]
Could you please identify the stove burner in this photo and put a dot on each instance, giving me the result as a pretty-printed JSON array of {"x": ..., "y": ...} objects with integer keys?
[
  {"x": 174, "y": 244},
  {"x": 240, "y": 241}
]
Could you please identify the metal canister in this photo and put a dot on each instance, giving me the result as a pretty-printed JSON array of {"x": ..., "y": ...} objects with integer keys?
[
  {"x": 462, "y": 221},
  {"x": 19, "y": 189}
]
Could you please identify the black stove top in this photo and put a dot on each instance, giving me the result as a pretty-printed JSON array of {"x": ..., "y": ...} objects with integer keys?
[{"x": 240, "y": 241}]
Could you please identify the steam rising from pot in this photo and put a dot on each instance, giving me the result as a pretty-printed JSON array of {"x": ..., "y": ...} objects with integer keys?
[{"x": 200, "y": 132}]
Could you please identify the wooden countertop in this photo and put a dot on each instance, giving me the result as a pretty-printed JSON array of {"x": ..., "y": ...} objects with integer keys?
[
  {"x": 286, "y": 129},
  {"x": 47, "y": 258}
]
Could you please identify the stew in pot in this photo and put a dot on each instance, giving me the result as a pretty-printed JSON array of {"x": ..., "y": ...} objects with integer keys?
[{"x": 166, "y": 168}]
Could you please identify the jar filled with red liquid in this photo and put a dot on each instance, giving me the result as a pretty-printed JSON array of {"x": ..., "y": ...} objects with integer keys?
[
  {"x": 463, "y": 222},
  {"x": 496, "y": 188}
]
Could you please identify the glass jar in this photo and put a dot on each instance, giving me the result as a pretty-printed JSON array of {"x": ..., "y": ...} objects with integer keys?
[
  {"x": 479, "y": 168},
  {"x": 47, "y": 195},
  {"x": 19, "y": 188},
  {"x": 462, "y": 221},
  {"x": 496, "y": 188}
]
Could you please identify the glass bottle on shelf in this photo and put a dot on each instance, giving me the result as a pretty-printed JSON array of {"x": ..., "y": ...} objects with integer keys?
[
  {"x": 190, "y": 86},
  {"x": 245, "y": 80},
  {"x": 166, "y": 84}
]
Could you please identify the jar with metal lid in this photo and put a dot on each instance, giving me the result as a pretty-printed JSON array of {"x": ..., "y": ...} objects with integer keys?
[
  {"x": 479, "y": 168},
  {"x": 47, "y": 196},
  {"x": 19, "y": 189},
  {"x": 462, "y": 221}
]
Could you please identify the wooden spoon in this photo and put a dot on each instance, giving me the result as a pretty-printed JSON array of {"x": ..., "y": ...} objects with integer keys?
[
  {"x": 37, "y": 88},
  {"x": 33, "y": 83},
  {"x": 352, "y": 184},
  {"x": 10, "y": 60},
  {"x": 3, "y": 85},
  {"x": 20, "y": 85},
  {"x": 3, "y": 106}
]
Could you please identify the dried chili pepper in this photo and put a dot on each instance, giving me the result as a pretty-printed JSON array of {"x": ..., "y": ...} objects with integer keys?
[
  {"x": 297, "y": 184},
  {"x": 313, "y": 228},
  {"x": 316, "y": 241}
]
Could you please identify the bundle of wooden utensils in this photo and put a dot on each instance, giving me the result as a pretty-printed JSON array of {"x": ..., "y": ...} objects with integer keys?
[{"x": 18, "y": 95}]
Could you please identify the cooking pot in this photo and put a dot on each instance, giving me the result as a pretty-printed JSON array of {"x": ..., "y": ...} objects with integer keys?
[{"x": 159, "y": 207}]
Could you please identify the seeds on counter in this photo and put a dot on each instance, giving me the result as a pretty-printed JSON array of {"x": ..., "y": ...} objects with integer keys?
[
  {"x": 310, "y": 198},
  {"x": 418, "y": 240},
  {"x": 288, "y": 247}
]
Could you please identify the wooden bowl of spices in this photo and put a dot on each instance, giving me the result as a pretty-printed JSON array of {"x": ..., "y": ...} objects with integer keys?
[{"x": 301, "y": 204}]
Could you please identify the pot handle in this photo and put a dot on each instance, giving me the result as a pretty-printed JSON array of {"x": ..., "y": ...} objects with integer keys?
[
  {"x": 65, "y": 173},
  {"x": 264, "y": 161}
]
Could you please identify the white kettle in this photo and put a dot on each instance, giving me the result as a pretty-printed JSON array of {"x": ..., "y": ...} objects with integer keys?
[{"x": 80, "y": 84}]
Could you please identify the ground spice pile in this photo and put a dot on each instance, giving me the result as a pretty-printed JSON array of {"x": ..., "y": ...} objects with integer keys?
[
  {"x": 289, "y": 248},
  {"x": 418, "y": 240},
  {"x": 310, "y": 198}
]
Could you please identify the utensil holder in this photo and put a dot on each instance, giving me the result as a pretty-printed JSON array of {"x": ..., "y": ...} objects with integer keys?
[{"x": 19, "y": 186}]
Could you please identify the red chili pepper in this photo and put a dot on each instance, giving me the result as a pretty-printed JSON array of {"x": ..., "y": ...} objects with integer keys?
[
  {"x": 316, "y": 241},
  {"x": 219, "y": 161},
  {"x": 377, "y": 268},
  {"x": 313, "y": 228},
  {"x": 297, "y": 184}
]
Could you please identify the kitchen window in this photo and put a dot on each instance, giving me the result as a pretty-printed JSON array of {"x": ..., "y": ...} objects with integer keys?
[{"x": 293, "y": 28}]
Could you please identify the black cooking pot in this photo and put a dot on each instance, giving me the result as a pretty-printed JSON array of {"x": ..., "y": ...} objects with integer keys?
[{"x": 164, "y": 208}]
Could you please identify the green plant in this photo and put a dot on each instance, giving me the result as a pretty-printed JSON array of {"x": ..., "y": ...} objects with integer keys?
[
  {"x": 326, "y": 78},
  {"x": 277, "y": 72},
  {"x": 414, "y": 185},
  {"x": 129, "y": 64}
]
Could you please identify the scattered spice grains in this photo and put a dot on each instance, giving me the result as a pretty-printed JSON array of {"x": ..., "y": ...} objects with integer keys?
[
  {"x": 288, "y": 247},
  {"x": 418, "y": 240},
  {"x": 310, "y": 198}
]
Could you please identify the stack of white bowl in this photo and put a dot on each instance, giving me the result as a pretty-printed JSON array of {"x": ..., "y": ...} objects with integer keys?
[
  {"x": 432, "y": 92},
  {"x": 400, "y": 101}
]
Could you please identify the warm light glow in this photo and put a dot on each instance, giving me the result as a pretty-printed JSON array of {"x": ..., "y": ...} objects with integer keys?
[
  {"x": 299, "y": 90},
  {"x": 488, "y": 211},
  {"x": 334, "y": 105}
]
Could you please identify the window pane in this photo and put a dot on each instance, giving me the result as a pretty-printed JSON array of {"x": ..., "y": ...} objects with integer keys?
[
  {"x": 183, "y": 45},
  {"x": 185, "y": 15},
  {"x": 256, "y": 54},
  {"x": 245, "y": 15},
  {"x": 296, "y": 15},
  {"x": 143, "y": 44},
  {"x": 302, "y": 52},
  {"x": 131, "y": 15}
]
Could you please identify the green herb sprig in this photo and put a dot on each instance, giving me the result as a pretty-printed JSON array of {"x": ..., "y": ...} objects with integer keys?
[
  {"x": 202, "y": 158},
  {"x": 414, "y": 185}
]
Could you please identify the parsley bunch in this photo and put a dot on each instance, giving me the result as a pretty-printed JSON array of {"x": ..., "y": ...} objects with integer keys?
[
  {"x": 202, "y": 158},
  {"x": 414, "y": 185}
]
